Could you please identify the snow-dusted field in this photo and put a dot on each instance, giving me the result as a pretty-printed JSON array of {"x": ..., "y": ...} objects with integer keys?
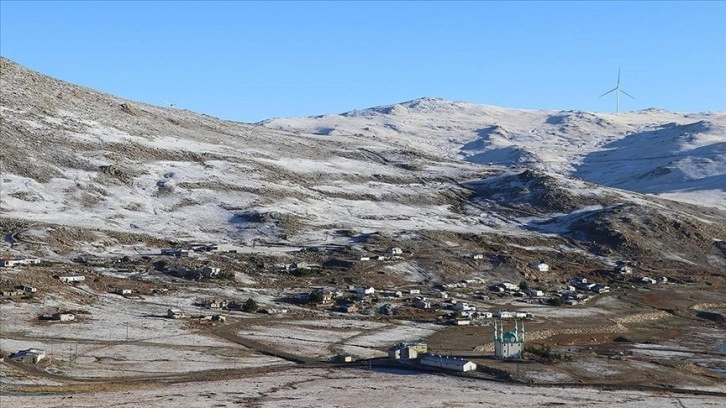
[
  {"x": 350, "y": 387},
  {"x": 110, "y": 360},
  {"x": 110, "y": 318},
  {"x": 360, "y": 338},
  {"x": 385, "y": 338},
  {"x": 122, "y": 337}
]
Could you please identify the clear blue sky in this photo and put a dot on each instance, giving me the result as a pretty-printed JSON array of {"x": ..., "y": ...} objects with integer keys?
[{"x": 250, "y": 61}]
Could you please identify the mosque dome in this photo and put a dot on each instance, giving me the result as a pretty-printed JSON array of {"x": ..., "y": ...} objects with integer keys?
[{"x": 510, "y": 337}]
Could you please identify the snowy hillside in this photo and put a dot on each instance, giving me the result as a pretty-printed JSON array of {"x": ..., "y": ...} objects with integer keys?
[
  {"x": 450, "y": 174},
  {"x": 678, "y": 156}
]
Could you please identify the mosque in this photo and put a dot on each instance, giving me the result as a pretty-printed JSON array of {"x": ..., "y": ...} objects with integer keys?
[{"x": 509, "y": 345}]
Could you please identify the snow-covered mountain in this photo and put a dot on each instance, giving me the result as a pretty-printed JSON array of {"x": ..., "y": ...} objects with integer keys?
[
  {"x": 679, "y": 156},
  {"x": 87, "y": 171}
]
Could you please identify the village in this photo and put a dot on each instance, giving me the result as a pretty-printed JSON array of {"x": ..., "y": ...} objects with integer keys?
[{"x": 486, "y": 306}]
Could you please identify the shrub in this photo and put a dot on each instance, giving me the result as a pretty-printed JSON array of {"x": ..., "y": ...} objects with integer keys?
[
  {"x": 250, "y": 306},
  {"x": 555, "y": 301},
  {"x": 315, "y": 297},
  {"x": 301, "y": 272},
  {"x": 545, "y": 353},
  {"x": 225, "y": 275}
]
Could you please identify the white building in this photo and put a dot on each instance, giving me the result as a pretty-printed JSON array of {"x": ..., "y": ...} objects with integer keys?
[
  {"x": 32, "y": 289},
  {"x": 64, "y": 317},
  {"x": 448, "y": 363},
  {"x": 31, "y": 355},
  {"x": 71, "y": 278},
  {"x": 124, "y": 291},
  {"x": 461, "y": 322},
  {"x": 216, "y": 304},
  {"x": 509, "y": 345},
  {"x": 423, "y": 304},
  {"x": 365, "y": 291},
  {"x": 504, "y": 314},
  {"x": 464, "y": 307},
  {"x": 600, "y": 288},
  {"x": 402, "y": 352},
  {"x": 541, "y": 266},
  {"x": 396, "y": 251},
  {"x": 210, "y": 272},
  {"x": 22, "y": 261},
  {"x": 509, "y": 286},
  {"x": 623, "y": 268}
]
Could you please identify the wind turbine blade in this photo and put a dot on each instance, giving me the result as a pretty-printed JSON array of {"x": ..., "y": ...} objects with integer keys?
[
  {"x": 627, "y": 94},
  {"x": 612, "y": 90},
  {"x": 165, "y": 101},
  {"x": 618, "y": 76}
]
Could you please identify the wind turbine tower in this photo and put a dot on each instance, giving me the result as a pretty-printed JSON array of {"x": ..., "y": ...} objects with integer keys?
[
  {"x": 171, "y": 105},
  {"x": 617, "y": 91}
]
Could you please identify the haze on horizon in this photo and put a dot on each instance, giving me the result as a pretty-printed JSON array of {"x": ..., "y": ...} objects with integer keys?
[{"x": 250, "y": 61}]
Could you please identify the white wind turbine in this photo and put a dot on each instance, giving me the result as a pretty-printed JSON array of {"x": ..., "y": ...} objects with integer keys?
[
  {"x": 617, "y": 91},
  {"x": 171, "y": 105}
]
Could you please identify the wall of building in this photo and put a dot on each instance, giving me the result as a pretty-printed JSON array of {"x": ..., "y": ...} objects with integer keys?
[{"x": 448, "y": 363}]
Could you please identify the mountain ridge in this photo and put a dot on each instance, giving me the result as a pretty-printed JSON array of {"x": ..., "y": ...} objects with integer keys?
[
  {"x": 565, "y": 142},
  {"x": 103, "y": 166}
]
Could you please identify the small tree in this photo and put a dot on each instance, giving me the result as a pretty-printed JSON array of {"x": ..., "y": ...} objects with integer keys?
[
  {"x": 524, "y": 285},
  {"x": 229, "y": 275},
  {"x": 250, "y": 306},
  {"x": 555, "y": 301},
  {"x": 315, "y": 297},
  {"x": 546, "y": 353},
  {"x": 301, "y": 272}
]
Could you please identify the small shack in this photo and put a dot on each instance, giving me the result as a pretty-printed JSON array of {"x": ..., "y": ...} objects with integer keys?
[
  {"x": 402, "y": 351},
  {"x": 343, "y": 358},
  {"x": 210, "y": 272},
  {"x": 31, "y": 355},
  {"x": 71, "y": 278},
  {"x": 63, "y": 317}
]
